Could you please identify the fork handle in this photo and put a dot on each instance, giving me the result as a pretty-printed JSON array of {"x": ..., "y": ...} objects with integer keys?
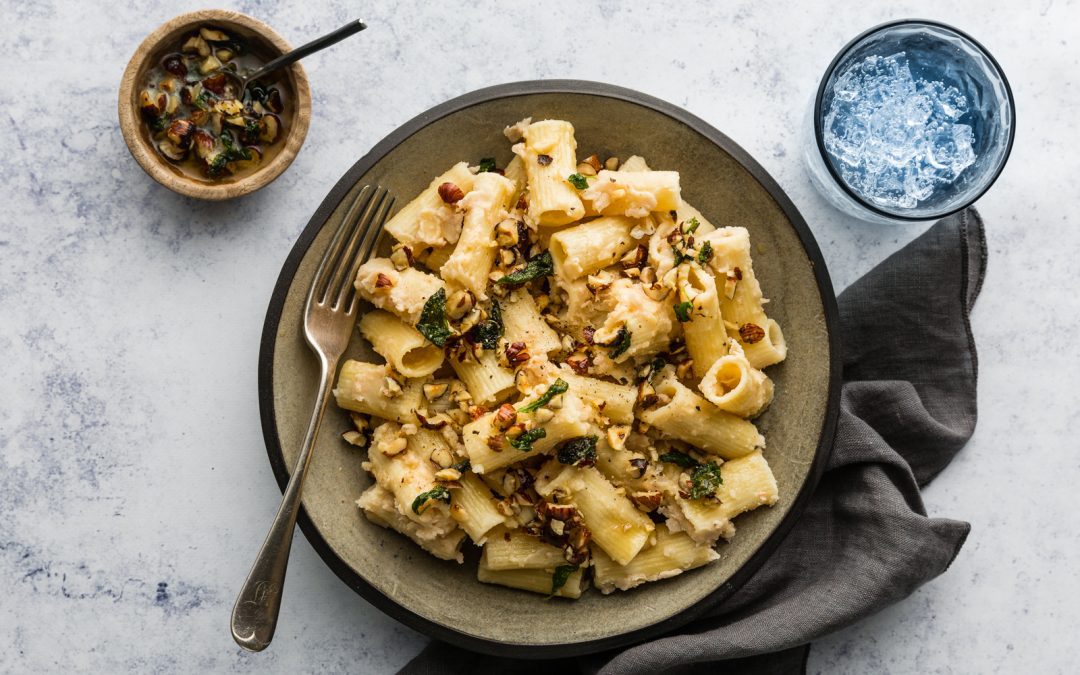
[{"x": 255, "y": 614}]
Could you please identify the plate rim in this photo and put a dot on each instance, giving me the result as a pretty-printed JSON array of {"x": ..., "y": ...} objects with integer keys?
[{"x": 272, "y": 320}]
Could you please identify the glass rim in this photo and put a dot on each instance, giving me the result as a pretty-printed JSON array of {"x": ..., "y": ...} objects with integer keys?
[{"x": 819, "y": 135}]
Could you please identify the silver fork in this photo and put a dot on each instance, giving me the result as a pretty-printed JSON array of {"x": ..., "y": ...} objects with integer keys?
[{"x": 329, "y": 318}]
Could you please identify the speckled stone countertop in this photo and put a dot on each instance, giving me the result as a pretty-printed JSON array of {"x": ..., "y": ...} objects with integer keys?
[{"x": 134, "y": 488}]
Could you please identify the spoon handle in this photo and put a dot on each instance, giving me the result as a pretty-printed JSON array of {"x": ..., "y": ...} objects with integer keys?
[{"x": 318, "y": 44}]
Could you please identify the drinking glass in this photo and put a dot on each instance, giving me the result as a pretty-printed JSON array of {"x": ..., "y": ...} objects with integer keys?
[{"x": 913, "y": 120}]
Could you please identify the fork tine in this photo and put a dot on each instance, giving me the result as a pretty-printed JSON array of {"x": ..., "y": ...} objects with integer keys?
[
  {"x": 357, "y": 231},
  {"x": 322, "y": 275},
  {"x": 372, "y": 230}
]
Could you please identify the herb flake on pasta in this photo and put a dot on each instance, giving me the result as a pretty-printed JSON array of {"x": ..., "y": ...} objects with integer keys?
[
  {"x": 525, "y": 439},
  {"x": 705, "y": 480},
  {"x": 680, "y": 458},
  {"x": 560, "y": 577},
  {"x": 487, "y": 164},
  {"x": 682, "y": 311},
  {"x": 424, "y": 499},
  {"x": 559, "y": 386},
  {"x": 621, "y": 343},
  {"x": 487, "y": 332},
  {"x": 578, "y": 181},
  {"x": 580, "y": 451},
  {"x": 705, "y": 253},
  {"x": 540, "y": 266}
]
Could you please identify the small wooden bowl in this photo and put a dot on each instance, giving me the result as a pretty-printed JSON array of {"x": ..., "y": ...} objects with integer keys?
[{"x": 166, "y": 39}]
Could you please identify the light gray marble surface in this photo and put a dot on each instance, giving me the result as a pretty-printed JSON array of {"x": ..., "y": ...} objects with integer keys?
[{"x": 134, "y": 488}]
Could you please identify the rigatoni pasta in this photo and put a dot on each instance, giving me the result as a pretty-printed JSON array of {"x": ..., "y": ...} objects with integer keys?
[
  {"x": 574, "y": 356},
  {"x": 400, "y": 344}
]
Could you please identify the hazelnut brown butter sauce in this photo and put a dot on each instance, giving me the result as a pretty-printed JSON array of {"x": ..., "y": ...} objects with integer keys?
[{"x": 199, "y": 120}]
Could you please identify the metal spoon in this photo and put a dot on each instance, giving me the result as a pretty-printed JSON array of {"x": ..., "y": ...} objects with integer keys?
[{"x": 289, "y": 58}]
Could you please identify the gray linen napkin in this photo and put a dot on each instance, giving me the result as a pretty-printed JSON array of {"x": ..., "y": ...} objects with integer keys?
[{"x": 865, "y": 541}]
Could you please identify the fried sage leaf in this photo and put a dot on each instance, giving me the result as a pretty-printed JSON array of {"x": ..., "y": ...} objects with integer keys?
[
  {"x": 525, "y": 440},
  {"x": 424, "y": 499},
  {"x": 540, "y": 266},
  {"x": 559, "y": 386},
  {"x": 580, "y": 451},
  {"x": 705, "y": 480},
  {"x": 433, "y": 324},
  {"x": 561, "y": 576}
]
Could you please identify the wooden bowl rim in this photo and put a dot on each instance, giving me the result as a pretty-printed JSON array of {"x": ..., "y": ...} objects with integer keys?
[
  {"x": 156, "y": 166},
  {"x": 340, "y": 190}
]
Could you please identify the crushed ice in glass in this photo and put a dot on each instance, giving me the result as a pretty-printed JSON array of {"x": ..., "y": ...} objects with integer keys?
[{"x": 896, "y": 138}]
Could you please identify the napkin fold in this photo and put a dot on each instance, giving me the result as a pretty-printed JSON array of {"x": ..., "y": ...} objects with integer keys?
[{"x": 865, "y": 541}]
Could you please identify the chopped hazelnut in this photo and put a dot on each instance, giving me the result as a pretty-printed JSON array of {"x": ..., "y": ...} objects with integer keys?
[
  {"x": 647, "y": 500},
  {"x": 516, "y": 354},
  {"x": 616, "y": 436},
  {"x": 443, "y": 458},
  {"x": 506, "y": 232},
  {"x": 459, "y": 304},
  {"x": 434, "y": 390},
  {"x": 450, "y": 193},
  {"x": 393, "y": 447},
  {"x": 390, "y": 388},
  {"x": 355, "y": 438},
  {"x": 401, "y": 257},
  {"x": 383, "y": 281},
  {"x": 505, "y": 416},
  {"x": 611, "y": 163},
  {"x": 447, "y": 474},
  {"x": 751, "y": 333}
]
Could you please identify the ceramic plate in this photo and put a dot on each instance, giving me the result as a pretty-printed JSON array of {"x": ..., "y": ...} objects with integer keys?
[{"x": 444, "y": 599}]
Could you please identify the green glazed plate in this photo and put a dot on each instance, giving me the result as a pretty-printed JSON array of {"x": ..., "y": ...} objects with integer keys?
[{"x": 444, "y": 599}]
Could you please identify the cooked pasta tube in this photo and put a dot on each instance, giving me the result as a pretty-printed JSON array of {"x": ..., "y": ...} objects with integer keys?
[
  {"x": 400, "y": 292},
  {"x": 740, "y": 298},
  {"x": 733, "y": 385},
  {"x": 591, "y": 246},
  {"x": 769, "y": 349},
  {"x": 704, "y": 331},
  {"x": 514, "y": 549},
  {"x": 409, "y": 472},
  {"x": 515, "y": 172},
  {"x": 671, "y": 555},
  {"x": 646, "y": 324},
  {"x": 549, "y": 155},
  {"x": 748, "y": 483},
  {"x": 473, "y": 508},
  {"x": 488, "y": 382},
  {"x": 617, "y": 526},
  {"x": 366, "y": 388},
  {"x": 684, "y": 212},
  {"x": 489, "y": 449},
  {"x": 535, "y": 580},
  {"x": 612, "y": 400},
  {"x": 470, "y": 263},
  {"x": 401, "y": 345},
  {"x": 428, "y": 221},
  {"x": 378, "y": 505},
  {"x": 523, "y": 323},
  {"x": 633, "y": 193},
  {"x": 690, "y": 418}
]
